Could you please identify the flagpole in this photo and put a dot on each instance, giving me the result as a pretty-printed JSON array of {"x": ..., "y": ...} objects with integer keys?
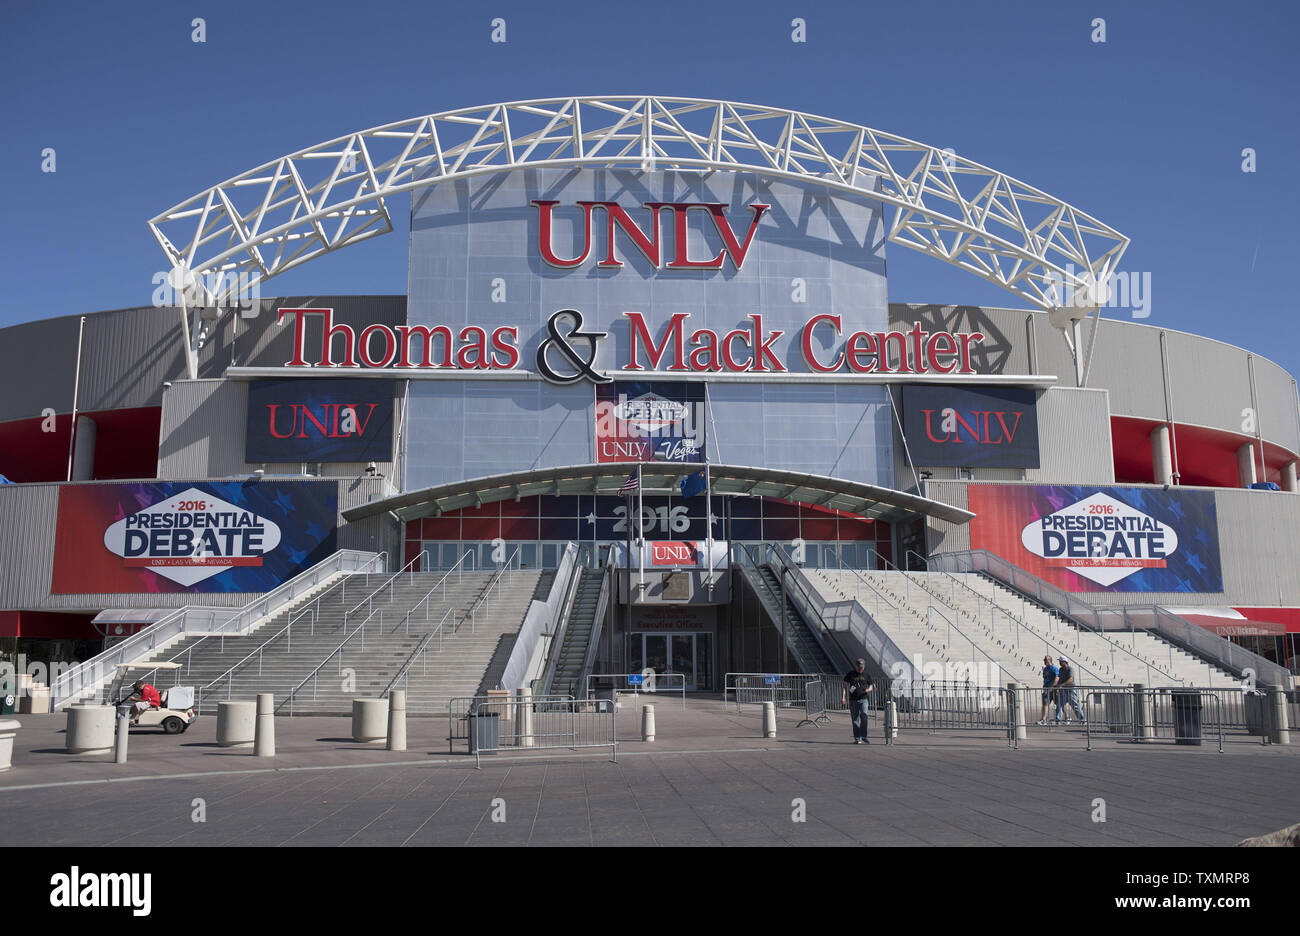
[
  {"x": 708, "y": 515},
  {"x": 640, "y": 525}
]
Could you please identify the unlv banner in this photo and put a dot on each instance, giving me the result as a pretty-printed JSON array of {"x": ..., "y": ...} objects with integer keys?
[
  {"x": 650, "y": 421},
  {"x": 1118, "y": 539},
  {"x": 990, "y": 427},
  {"x": 319, "y": 421},
  {"x": 226, "y": 536}
]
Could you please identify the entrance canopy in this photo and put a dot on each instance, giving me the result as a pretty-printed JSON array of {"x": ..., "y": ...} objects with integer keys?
[{"x": 866, "y": 500}]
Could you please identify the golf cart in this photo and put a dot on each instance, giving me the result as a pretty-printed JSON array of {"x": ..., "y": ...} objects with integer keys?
[{"x": 177, "y": 710}]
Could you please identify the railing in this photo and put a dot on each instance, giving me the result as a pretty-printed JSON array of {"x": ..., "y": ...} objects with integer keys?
[
  {"x": 360, "y": 629},
  {"x": 1000, "y": 675},
  {"x": 814, "y": 706},
  {"x": 750, "y": 567},
  {"x": 638, "y": 684},
  {"x": 1173, "y": 629},
  {"x": 421, "y": 650},
  {"x": 1049, "y": 647},
  {"x": 575, "y": 724},
  {"x": 785, "y": 690},
  {"x": 484, "y": 597},
  {"x": 405, "y": 623},
  {"x": 369, "y": 600},
  {"x": 460, "y": 707},
  {"x": 812, "y": 616},
  {"x": 189, "y": 619},
  {"x": 1078, "y": 630},
  {"x": 598, "y": 621},
  {"x": 561, "y": 628}
]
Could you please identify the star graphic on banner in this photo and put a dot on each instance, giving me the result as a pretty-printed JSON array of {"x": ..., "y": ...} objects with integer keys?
[
  {"x": 283, "y": 501},
  {"x": 591, "y": 517},
  {"x": 1195, "y": 562}
]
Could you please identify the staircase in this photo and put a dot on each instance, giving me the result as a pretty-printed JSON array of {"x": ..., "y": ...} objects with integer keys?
[
  {"x": 381, "y": 635},
  {"x": 807, "y": 651},
  {"x": 568, "y": 676},
  {"x": 1014, "y": 633}
]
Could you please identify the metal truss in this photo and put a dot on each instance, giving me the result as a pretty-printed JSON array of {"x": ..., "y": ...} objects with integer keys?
[{"x": 300, "y": 206}]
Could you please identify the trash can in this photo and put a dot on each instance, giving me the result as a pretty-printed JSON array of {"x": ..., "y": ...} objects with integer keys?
[
  {"x": 1187, "y": 716},
  {"x": 8, "y": 704},
  {"x": 484, "y": 732},
  {"x": 1118, "y": 711},
  {"x": 605, "y": 699},
  {"x": 1256, "y": 713}
]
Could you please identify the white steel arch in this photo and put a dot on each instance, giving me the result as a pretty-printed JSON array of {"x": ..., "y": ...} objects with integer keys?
[{"x": 280, "y": 215}]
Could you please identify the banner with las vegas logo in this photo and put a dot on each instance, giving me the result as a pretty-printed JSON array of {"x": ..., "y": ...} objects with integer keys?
[
  {"x": 1088, "y": 539},
  {"x": 645, "y": 421},
  {"x": 210, "y": 536}
]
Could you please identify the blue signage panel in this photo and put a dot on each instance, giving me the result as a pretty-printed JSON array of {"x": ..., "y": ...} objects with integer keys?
[
  {"x": 988, "y": 427},
  {"x": 333, "y": 420}
]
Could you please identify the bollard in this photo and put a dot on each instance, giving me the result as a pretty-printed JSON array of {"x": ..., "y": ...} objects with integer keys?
[
  {"x": 648, "y": 723},
  {"x": 1144, "y": 728},
  {"x": 90, "y": 729},
  {"x": 891, "y": 721},
  {"x": 1017, "y": 710},
  {"x": 370, "y": 720},
  {"x": 769, "y": 719},
  {"x": 525, "y": 717},
  {"x": 264, "y": 738},
  {"x": 1280, "y": 733},
  {"x": 397, "y": 720},
  {"x": 8, "y": 729},
  {"x": 123, "y": 732},
  {"x": 237, "y": 723}
]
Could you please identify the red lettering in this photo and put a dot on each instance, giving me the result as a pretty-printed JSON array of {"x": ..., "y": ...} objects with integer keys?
[
  {"x": 966, "y": 341},
  {"x": 639, "y": 334},
  {"x": 882, "y": 345},
  {"x": 1009, "y": 434},
  {"x": 476, "y": 341},
  {"x": 763, "y": 347},
  {"x": 731, "y": 362},
  {"x": 307, "y": 415},
  {"x": 809, "y": 357},
  {"x": 680, "y": 261},
  {"x": 409, "y": 331},
  {"x": 928, "y": 433},
  {"x": 300, "y": 333},
  {"x": 737, "y": 251},
  {"x": 390, "y": 345},
  {"x": 705, "y": 357},
  {"x": 918, "y": 339},
  {"x": 544, "y": 224},
  {"x": 292, "y": 429},
  {"x": 862, "y": 353},
  {"x": 619, "y": 218},
  {"x": 932, "y": 352},
  {"x": 504, "y": 340}
]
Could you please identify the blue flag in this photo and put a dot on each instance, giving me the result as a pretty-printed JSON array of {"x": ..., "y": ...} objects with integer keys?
[{"x": 693, "y": 484}]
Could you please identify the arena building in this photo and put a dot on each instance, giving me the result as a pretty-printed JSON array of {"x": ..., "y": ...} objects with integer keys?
[{"x": 614, "y": 303}]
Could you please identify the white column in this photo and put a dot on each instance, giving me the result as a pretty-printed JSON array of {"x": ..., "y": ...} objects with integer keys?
[
  {"x": 1246, "y": 465},
  {"x": 1162, "y": 462},
  {"x": 1288, "y": 477}
]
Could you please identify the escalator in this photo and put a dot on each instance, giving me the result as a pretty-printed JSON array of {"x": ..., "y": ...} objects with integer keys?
[
  {"x": 805, "y": 648},
  {"x": 573, "y": 656}
]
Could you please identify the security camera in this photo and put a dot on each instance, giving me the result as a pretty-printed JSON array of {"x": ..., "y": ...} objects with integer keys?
[
  {"x": 167, "y": 384},
  {"x": 371, "y": 468}
]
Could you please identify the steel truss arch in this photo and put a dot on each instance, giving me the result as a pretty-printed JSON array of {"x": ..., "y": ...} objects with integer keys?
[{"x": 288, "y": 211}]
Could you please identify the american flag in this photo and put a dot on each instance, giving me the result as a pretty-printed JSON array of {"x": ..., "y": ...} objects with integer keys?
[{"x": 632, "y": 483}]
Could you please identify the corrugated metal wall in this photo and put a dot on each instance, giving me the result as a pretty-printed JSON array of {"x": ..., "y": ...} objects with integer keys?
[
  {"x": 29, "y": 513},
  {"x": 1258, "y": 548},
  {"x": 204, "y": 423}
]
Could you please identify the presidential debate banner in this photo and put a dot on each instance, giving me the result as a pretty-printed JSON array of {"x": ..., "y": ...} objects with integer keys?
[
  {"x": 990, "y": 427},
  {"x": 1088, "y": 539},
  {"x": 331, "y": 420},
  {"x": 223, "y": 536},
  {"x": 650, "y": 421}
]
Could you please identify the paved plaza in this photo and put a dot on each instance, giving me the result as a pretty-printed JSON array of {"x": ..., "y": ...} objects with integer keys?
[{"x": 709, "y": 778}]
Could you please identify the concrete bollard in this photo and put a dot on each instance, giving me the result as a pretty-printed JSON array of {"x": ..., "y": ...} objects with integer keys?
[
  {"x": 1016, "y": 701},
  {"x": 1144, "y": 728},
  {"x": 525, "y": 717},
  {"x": 90, "y": 729},
  {"x": 648, "y": 723},
  {"x": 8, "y": 731},
  {"x": 769, "y": 719},
  {"x": 891, "y": 720},
  {"x": 236, "y": 723},
  {"x": 369, "y": 720},
  {"x": 123, "y": 732},
  {"x": 1280, "y": 733},
  {"x": 397, "y": 720},
  {"x": 264, "y": 739}
]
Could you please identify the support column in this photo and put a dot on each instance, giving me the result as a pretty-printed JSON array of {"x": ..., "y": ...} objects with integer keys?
[
  {"x": 1246, "y": 465},
  {"x": 1288, "y": 477},
  {"x": 1162, "y": 459}
]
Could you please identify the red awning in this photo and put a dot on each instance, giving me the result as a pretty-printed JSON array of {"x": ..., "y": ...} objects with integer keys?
[{"x": 1236, "y": 626}]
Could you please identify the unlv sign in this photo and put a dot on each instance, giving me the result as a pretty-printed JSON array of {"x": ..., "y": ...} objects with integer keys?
[
  {"x": 319, "y": 421},
  {"x": 989, "y": 427},
  {"x": 649, "y": 243}
]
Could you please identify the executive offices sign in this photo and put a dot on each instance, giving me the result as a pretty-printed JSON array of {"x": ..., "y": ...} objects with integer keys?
[
  {"x": 319, "y": 420},
  {"x": 986, "y": 427}
]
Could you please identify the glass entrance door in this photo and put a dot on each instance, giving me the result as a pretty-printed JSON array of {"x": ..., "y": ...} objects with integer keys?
[{"x": 690, "y": 654}]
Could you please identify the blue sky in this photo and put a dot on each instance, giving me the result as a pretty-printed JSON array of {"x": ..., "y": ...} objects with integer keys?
[{"x": 1144, "y": 131}]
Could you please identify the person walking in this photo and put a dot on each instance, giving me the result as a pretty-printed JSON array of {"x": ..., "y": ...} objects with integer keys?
[
  {"x": 1066, "y": 693},
  {"x": 1049, "y": 684},
  {"x": 857, "y": 692}
]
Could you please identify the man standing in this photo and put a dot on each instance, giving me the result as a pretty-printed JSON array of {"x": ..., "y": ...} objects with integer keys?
[
  {"x": 1050, "y": 677},
  {"x": 1065, "y": 692},
  {"x": 857, "y": 691}
]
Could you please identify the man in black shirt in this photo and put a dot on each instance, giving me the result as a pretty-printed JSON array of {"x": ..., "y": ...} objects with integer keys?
[{"x": 857, "y": 691}]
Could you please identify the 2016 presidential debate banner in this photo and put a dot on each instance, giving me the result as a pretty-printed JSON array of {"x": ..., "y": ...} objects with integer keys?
[
  {"x": 1088, "y": 539},
  {"x": 335, "y": 420},
  {"x": 224, "y": 536}
]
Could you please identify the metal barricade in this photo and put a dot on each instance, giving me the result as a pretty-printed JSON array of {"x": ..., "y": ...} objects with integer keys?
[
  {"x": 949, "y": 706},
  {"x": 814, "y": 704},
  {"x": 460, "y": 708},
  {"x": 786, "y": 690},
  {"x": 549, "y": 725},
  {"x": 637, "y": 684}
]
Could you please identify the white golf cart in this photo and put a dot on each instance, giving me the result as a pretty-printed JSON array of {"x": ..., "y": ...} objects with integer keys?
[{"x": 177, "y": 710}]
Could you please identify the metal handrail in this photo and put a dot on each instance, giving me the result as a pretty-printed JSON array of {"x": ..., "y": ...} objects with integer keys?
[
  {"x": 441, "y": 583},
  {"x": 880, "y": 596},
  {"x": 421, "y": 647},
  {"x": 1049, "y": 645},
  {"x": 369, "y": 600},
  {"x": 811, "y": 614},
  {"x": 472, "y": 611},
  {"x": 598, "y": 622},
  {"x": 760, "y": 586},
  {"x": 360, "y": 629},
  {"x": 1079, "y": 628},
  {"x": 557, "y": 638},
  {"x": 974, "y": 646}
]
